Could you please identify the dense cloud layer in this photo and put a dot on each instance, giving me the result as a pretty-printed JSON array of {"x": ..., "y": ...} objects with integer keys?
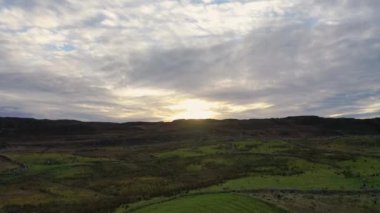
[{"x": 160, "y": 60}]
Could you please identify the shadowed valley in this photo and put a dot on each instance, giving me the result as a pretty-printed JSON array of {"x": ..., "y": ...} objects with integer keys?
[{"x": 293, "y": 164}]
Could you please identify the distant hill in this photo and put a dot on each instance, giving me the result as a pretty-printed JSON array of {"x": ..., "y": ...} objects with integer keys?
[{"x": 69, "y": 131}]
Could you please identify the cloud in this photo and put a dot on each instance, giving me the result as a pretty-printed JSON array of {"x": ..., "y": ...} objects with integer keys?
[{"x": 139, "y": 60}]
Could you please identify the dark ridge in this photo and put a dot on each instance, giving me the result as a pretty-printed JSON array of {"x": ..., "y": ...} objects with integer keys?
[{"x": 69, "y": 132}]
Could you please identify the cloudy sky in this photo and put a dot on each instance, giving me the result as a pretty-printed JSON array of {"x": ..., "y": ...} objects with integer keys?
[{"x": 126, "y": 60}]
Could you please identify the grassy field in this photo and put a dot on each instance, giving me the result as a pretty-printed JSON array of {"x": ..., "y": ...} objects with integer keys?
[
  {"x": 225, "y": 202},
  {"x": 321, "y": 179},
  {"x": 247, "y": 175}
]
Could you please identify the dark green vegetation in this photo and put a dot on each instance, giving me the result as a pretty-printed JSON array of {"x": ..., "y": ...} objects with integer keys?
[
  {"x": 221, "y": 202},
  {"x": 297, "y": 164}
]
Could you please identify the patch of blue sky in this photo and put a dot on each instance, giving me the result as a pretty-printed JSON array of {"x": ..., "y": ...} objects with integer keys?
[
  {"x": 308, "y": 21},
  {"x": 312, "y": 22},
  {"x": 61, "y": 47},
  {"x": 221, "y": 1},
  {"x": 68, "y": 48}
]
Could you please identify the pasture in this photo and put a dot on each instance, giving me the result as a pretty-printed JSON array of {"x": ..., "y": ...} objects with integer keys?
[{"x": 216, "y": 173}]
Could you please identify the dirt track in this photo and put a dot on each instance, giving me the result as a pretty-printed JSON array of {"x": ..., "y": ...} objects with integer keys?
[{"x": 7, "y": 159}]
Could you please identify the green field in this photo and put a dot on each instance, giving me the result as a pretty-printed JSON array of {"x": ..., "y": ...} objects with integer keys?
[
  {"x": 210, "y": 203},
  {"x": 249, "y": 175}
]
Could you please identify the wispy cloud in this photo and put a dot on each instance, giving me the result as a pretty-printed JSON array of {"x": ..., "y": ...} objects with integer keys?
[{"x": 139, "y": 60}]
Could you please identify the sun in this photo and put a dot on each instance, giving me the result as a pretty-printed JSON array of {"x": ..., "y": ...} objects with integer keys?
[{"x": 193, "y": 109}]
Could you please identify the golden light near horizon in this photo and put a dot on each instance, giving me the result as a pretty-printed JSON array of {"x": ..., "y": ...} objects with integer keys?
[
  {"x": 193, "y": 109},
  {"x": 172, "y": 106},
  {"x": 202, "y": 109}
]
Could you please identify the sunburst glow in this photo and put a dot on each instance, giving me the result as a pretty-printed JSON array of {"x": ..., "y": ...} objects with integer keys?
[{"x": 193, "y": 109}]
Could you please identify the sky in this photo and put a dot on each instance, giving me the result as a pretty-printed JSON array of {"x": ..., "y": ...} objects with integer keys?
[{"x": 150, "y": 60}]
